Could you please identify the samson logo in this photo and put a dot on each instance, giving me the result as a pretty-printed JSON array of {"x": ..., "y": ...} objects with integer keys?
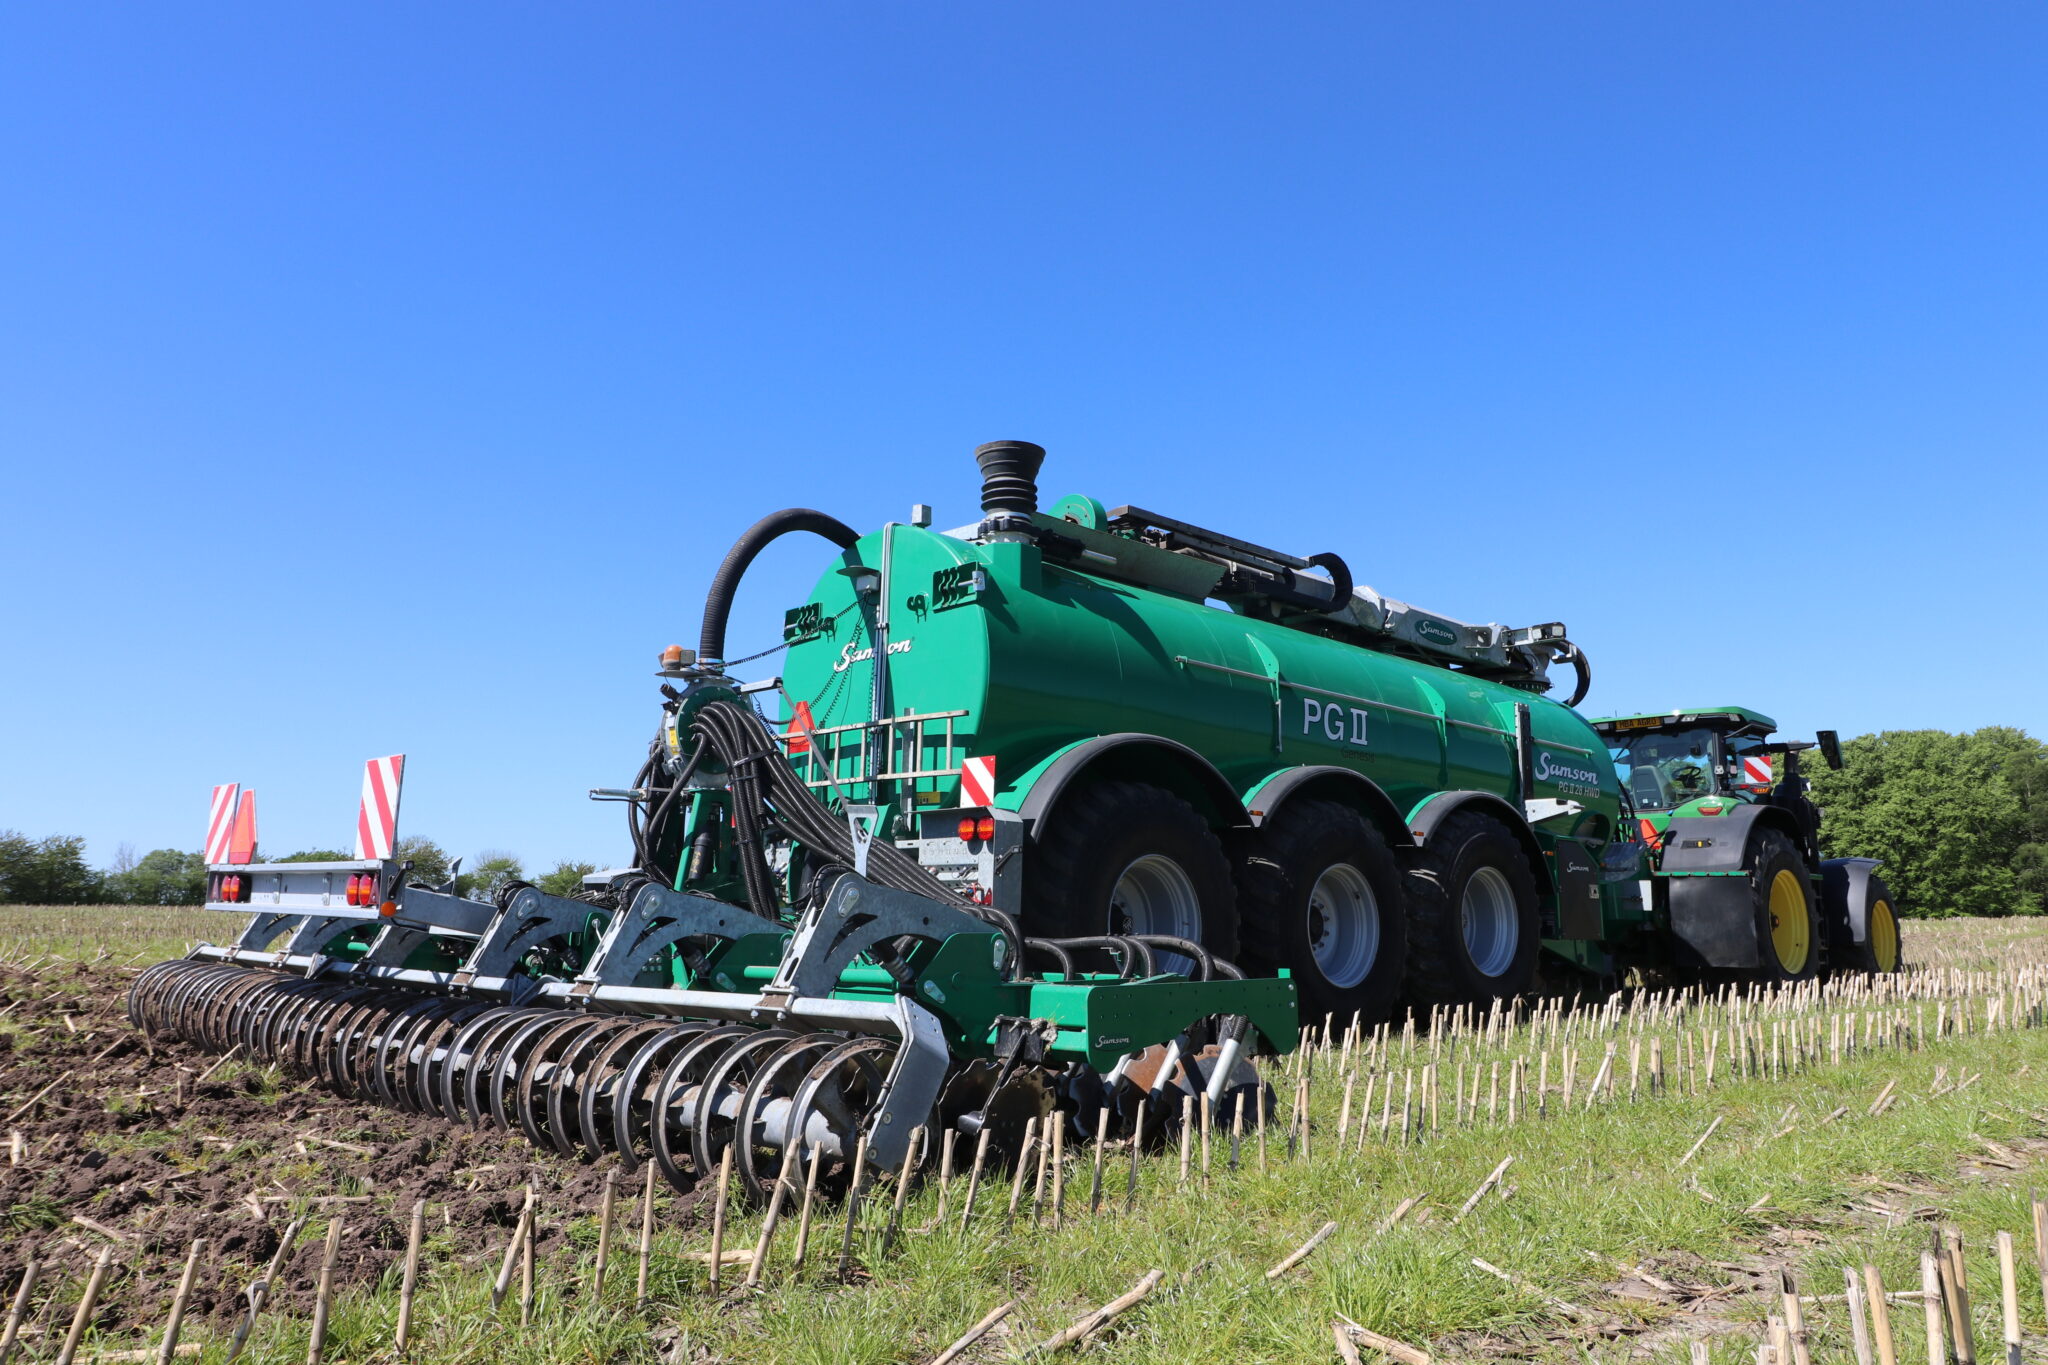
[
  {"x": 1436, "y": 632},
  {"x": 1567, "y": 776},
  {"x": 848, "y": 655}
]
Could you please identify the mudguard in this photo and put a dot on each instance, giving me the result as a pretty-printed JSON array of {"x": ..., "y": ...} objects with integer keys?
[
  {"x": 1324, "y": 780},
  {"x": 1154, "y": 757},
  {"x": 1713, "y": 913},
  {"x": 1423, "y": 820},
  {"x": 1845, "y": 899}
]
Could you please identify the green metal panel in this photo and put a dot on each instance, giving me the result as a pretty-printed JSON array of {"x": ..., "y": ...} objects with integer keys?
[{"x": 1104, "y": 1021}]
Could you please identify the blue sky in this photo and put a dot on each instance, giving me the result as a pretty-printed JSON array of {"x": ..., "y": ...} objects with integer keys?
[{"x": 390, "y": 378}]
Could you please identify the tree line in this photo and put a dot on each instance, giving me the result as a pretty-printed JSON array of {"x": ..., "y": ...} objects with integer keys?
[
  {"x": 53, "y": 870},
  {"x": 1960, "y": 821}
]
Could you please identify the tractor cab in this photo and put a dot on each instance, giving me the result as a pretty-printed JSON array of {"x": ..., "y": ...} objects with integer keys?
[
  {"x": 1691, "y": 762},
  {"x": 1731, "y": 847},
  {"x": 1708, "y": 761}
]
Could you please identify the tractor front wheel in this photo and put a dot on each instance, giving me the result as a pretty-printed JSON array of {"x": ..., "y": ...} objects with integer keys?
[
  {"x": 1788, "y": 924},
  {"x": 1879, "y": 952}
]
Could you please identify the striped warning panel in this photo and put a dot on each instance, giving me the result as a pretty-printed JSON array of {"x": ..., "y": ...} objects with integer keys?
[
  {"x": 220, "y": 822},
  {"x": 978, "y": 782},
  {"x": 1756, "y": 770},
  {"x": 377, "y": 819}
]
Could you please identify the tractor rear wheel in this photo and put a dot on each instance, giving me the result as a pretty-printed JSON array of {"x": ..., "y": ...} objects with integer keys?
[
  {"x": 1326, "y": 902},
  {"x": 1472, "y": 914},
  {"x": 1131, "y": 858},
  {"x": 1787, "y": 920},
  {"x": 1879, "y": 952}
]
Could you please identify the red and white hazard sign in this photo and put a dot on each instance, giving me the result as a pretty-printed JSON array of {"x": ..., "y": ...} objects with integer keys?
[
  {"x": 220, "y": 823},
  {"x": 798, "y": 736},
  {"x": 978, "y": 782},
  {"x": 1756, "y": 770},
  {"x": 377, "y": 818}
]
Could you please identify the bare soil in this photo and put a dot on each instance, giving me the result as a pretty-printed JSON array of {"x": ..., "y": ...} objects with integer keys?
[{"x": 233, "y": 1162}]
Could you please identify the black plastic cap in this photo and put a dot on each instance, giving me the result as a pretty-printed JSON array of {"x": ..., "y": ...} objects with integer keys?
[{"x": 1009, "y": 474}]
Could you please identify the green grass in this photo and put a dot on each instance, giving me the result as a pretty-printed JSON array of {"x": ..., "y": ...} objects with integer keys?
[
  {"x": 1603, "y": 1180},
  {"x": 147, "y": 933}
]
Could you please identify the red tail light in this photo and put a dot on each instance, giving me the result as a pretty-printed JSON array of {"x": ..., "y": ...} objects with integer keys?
[
  {"x": 967, "y": 827},
  {"x": 355, "y": 889},
  {"x": 985, "y": 828}
]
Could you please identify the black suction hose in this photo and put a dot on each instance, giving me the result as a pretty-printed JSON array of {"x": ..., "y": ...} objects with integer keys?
[
  {"x": 718, "y": 602},
  {"x": 1576, "y": 657}
]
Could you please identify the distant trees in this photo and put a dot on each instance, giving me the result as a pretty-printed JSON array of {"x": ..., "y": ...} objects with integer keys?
[
  {"x": 47, "y": 871},
  {"x": 53, "y": 871},
  {"x": 566, "y": 879},
  {"x": 492, "y": 869},
  {"x": 163, "y": 877},
  {"x": 429, "y": 860},
  {"x": 1959, "y": 820}
]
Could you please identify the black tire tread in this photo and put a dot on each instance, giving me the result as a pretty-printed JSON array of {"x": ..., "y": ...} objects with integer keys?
[
  {"x": 1059, "y": 867},
  {"x": 1435, "y": 939},
  {"x": 1266, "y": 891}
]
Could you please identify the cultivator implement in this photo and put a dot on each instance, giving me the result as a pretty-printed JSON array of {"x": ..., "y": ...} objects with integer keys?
[{"x": 668, "y": 1026}]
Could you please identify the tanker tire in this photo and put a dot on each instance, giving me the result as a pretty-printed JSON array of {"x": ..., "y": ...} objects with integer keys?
[
  {"x": 1309, "y": 842},
  {"x": 1469, "y": 853},
  {"x": 1102, "y": 829},
  {"x": 1771, "y": 856}
]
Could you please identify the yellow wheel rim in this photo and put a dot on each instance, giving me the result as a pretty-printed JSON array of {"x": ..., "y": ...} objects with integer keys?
[
  {"x": 1791, "y": 935},
  {"x": 1884, "y": 937}
]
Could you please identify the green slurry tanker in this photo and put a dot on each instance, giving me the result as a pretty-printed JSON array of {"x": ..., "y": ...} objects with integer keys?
[{"x": 1062, "y": 817}]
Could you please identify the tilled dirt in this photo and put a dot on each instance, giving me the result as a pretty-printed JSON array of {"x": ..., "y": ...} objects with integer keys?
[{"x": 232, "y": 1162}]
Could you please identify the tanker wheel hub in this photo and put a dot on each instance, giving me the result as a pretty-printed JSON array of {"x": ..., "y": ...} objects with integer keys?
[
  {"x": 1155, "y": 895},
  {"x": 1486, "y": 914},
  {"x": 1343, "y": 925}
]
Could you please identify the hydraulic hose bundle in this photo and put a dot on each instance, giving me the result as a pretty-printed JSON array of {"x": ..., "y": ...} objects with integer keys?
[{"x": 765, "y": 788}]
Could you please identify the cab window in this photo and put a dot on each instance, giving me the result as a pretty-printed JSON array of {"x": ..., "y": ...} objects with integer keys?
[{"x": 1665, "y": 768}]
